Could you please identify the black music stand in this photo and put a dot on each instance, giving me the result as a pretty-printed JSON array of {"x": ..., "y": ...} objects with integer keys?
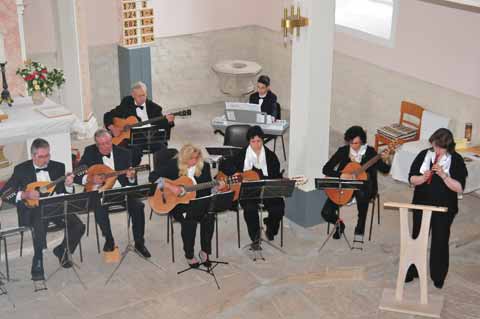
[
  {"x": 261, "y": 190},
  {"x": 114, "y": 196},
  {"x": 337, "y": 184},
  {"x": 200, "y": 207},
  {"x": 224, "y": 152},
  {"x": 63, "y": 206},
  {"x": 147, "y": 136}
]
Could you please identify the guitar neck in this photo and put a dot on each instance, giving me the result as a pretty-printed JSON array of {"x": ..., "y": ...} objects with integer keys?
[
  {"x": 201, "y": 186},
  {"x": 149, "y": 121},
  {"x": 368, "y": 164},
  {"x": 124, "y": 171}
]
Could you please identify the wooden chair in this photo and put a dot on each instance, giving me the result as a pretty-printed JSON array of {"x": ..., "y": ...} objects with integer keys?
[{"x": 407, "y": 110}]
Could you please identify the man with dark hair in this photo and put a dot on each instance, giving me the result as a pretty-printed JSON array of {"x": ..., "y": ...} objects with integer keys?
[
  {"x": 355, "y": 150},
  {"x": 265, "y": 97},
  {"x": 117, "y": 158},
  {"x": 259, "y": 158},
  {"x": 41, "y": 168}
]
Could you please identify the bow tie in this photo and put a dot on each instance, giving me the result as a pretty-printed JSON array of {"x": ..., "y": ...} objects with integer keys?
[
  {"x": 139, "y": 106},
  {"x": 38, "y": 170},
  {"x": 107, "y": 156}
]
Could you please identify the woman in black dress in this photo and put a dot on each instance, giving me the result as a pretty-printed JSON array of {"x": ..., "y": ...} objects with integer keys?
[
  {"x": 259, "y": 158},
  {"x": 439, "y": 175},
  {"x": 189, "y": 162}
]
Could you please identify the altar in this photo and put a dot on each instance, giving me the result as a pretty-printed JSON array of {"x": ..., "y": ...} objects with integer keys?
[{"x": 25, "y": 123}]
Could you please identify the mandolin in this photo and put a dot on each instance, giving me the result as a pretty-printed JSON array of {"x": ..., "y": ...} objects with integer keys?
[
  {"x": 47, "y": 188},
  {"x": 125, "y": 125},
  {"x": 359, "y": 172},
  {"x": 163, "y": 201},
  {"x": 109, "y": 174}
]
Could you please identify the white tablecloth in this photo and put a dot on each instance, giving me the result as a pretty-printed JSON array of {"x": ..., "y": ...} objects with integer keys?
[{"x": 25, "y": 123}]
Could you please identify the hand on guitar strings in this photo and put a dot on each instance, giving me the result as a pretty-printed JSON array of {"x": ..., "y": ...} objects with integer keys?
[
  {"x": 98, "y": 179},
  {"x": 29, "y": 195},
  {"x": 115, "y": 130},
  {"x": 176, "y": 190}
]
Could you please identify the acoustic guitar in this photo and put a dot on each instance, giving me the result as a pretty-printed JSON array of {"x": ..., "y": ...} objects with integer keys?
[
  {"x": 47, "y": 188},
  {"x": 163, "y": 201},
  {"x": 359, "y": 172},
  {"x": 251, "y": 175},
  {"x": 125, "y": 125},
  {"x": 109, "y": 174}
]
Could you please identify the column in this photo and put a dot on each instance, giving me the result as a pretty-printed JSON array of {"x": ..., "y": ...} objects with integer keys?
[
  {"x": 312, "y": 60},
  {"x": 73, "y": 49}
]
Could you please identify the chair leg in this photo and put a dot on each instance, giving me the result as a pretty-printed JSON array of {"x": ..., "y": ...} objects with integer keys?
[
  {"x": 168, "y": 228},
  {"x": 80, "y": 251},
  {"x": 378, "y": 208},
  {"x": 274, "y": 144},
  {"x": 238, "y": 227},
  {"x": 371, "y": 220},
  {"x": 151, "y": 213},
  {"x": 6, "y": 258},
  {"x": 281, "y": 232},
  {"x": 283, "y": 147},
  {"x": 328, "y": 228},
  {"x": 171, "y": 231},
  {"x": 98, "y": 239},
  {"x": 88, "y": 223},
  {"x": 216, "y": 235},
  {"x": 21, "y": 244}
]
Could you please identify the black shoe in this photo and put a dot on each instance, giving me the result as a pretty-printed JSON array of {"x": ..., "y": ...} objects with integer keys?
[
  {"x": 438, "y": 284},
  {"x": 142, "y": 250},
  {"x": 411, "y": 274},
  {"x": 37, "y": 269},
  {"x": 255, "y": 246},
  {"x": 359, "y": 231},
  {"x": 269, "y": 234},
  {"x": 59, "y": 252},
  {"x": 204, "y": 260},
  {"x": 339, "y": 231},
  {"x": 109, "y": 246}
]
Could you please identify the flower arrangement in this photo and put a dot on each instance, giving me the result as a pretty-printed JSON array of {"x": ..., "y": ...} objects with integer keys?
[{"x": 39, "y": 78}]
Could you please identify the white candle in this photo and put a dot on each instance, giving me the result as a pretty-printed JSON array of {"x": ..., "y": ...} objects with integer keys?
[{"x": 3, "y": 57}]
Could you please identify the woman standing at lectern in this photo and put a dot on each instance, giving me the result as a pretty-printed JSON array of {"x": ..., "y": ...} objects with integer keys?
[{"x": 439, "y": 175}]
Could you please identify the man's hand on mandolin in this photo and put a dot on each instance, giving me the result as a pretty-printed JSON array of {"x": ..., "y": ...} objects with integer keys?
[
  {"x": 30, "y": 195},
  {"x": 98, "y": 179}
]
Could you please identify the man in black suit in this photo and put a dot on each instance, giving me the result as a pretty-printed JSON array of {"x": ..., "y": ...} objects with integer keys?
[
  {"x": 143, "y": 109},
  {"x": 41, "y": 168},
  {"x": 117, "y": 158},
  {"x": 265, "y": 97}
]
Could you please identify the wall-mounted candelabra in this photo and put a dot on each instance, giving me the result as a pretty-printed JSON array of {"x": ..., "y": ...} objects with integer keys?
[{"x": 292, "y": 23}]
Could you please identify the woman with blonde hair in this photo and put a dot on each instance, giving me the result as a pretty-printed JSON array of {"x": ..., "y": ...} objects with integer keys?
[{"x": 189, "y": 162}]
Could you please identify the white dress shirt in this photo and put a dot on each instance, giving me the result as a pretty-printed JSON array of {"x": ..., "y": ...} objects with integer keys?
[
  {"x": 191, "y": 174},
  {"x": 260, "y": 100},
  {"x": 251, "y": 160},
  {"x": 142, "y": 114}
]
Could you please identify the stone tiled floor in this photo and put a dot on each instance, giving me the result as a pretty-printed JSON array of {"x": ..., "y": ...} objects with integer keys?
[{"x": 303, "y": 283}]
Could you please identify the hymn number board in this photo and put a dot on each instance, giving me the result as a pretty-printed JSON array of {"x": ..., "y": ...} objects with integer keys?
[{"x": 138, "y": 21}]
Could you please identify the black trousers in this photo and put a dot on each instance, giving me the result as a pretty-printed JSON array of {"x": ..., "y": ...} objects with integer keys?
[
  {"x": 137, "y": 214},
  {"x": 276, "y": 210},
  {"x": 439, "y": 249},
  {"x": 189, "y": 230},
  {"x": 76, "y": 229},
  {"x": 329, "y": 210}
]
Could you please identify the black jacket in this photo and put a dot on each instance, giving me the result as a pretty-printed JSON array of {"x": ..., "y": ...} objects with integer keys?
[
  {"x": 269, "y": 104},
  {"x": 127, "y": 108},
  {"x": 24, "y": 174},
  {"x": 334, "y": 167},
  {"x": 235, "y": 164},
  {"x": 437, "y": 193},
  {"x": 170, "y": 170},
  {"x": 121, "y": 157}
]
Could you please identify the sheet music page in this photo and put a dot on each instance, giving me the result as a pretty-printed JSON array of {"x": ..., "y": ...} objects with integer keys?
[{"x": 242, "y": 106}]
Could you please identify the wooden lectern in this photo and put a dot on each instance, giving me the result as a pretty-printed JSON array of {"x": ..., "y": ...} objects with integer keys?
[{"x": 413, "y": 251}]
